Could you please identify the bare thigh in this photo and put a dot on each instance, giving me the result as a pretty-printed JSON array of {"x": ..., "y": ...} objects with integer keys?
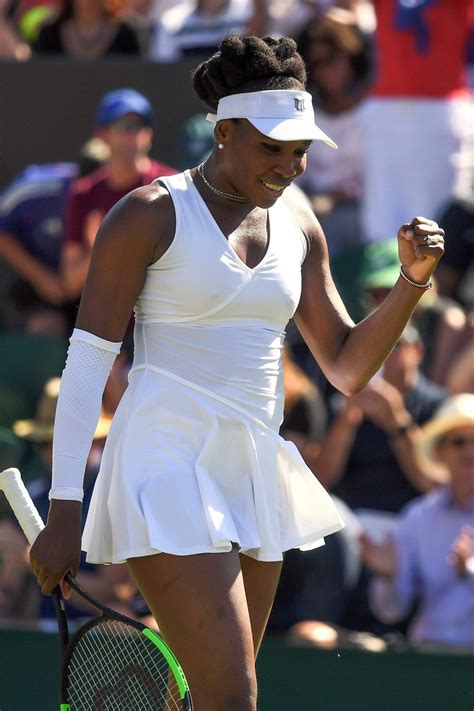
[
  {"x": 200, "y": 605},
  {"x": 261, "y": 581}
]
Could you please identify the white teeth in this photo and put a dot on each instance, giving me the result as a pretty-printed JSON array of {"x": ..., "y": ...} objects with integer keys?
[{"x": 277, "y": 188}]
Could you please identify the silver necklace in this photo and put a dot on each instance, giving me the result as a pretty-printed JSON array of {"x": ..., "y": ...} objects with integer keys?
[{"x": 221, "y": 193}]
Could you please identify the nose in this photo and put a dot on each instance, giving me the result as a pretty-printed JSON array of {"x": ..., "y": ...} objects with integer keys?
[{"x": 288, "y": 167}]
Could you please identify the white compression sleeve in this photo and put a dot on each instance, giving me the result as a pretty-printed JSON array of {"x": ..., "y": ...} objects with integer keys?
[{"x": 88, "y": 365}]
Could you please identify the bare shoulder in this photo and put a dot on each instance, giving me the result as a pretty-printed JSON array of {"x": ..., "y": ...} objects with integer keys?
[
  {"x": 148, "y": 195},
  {"x": 134, "y": 234},
  {"x": 302, "y": 212},
  {"x": 144, "y": 216}
]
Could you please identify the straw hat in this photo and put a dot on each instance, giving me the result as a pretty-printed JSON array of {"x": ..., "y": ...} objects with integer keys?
[
  {"x": 456, "y": 411},
  {"x": 40, "y": 429}
]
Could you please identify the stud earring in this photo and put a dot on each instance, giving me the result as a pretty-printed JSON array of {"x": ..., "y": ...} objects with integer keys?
[{"x": 220, "y": 146}]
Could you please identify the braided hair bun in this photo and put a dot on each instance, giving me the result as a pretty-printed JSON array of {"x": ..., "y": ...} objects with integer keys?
[{"x": 244, "y": 64}]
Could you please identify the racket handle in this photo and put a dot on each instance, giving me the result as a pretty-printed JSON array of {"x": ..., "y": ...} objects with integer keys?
[{"x": 23, "y": 507}]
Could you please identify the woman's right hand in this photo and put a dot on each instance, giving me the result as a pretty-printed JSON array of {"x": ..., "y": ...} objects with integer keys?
[{"x": 57, "y": 548}]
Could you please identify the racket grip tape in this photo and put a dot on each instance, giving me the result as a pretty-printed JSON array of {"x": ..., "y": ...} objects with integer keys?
[{"x": 21, "y": 503}]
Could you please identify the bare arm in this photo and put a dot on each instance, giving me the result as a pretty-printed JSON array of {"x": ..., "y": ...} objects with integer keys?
[
  {"x": 350, "y": 354},
  {"x": 75, "y": 260},
  {"x": 75, "y": 257},
  {"x": 449, "y": 340},
  {"x": 383, "y": 404},
  {"x": 404, "y": 449},
  {"x": 134, "y": 234},
  {"x": 335, "y": 449}
]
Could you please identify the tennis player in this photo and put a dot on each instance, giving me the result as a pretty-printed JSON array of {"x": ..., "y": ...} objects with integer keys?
[{"x": 197, "y": 491}]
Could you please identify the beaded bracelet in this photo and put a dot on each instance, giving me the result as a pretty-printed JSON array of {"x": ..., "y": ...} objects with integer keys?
[{"x": 427, "y": 285}]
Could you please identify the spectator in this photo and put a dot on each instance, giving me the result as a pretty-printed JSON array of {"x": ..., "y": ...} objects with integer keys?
[
  {"x": 368, "y": 457},
  {"x": 336, "y": 54},
  {"x": 193, "y": 29},
  {"x": 32, "y": 211},
  {"x": 86, "y": 30},
  {"x": 124, "y": 122},
  {"x": 11, "y": 44},
  {"x": 418, "y": 120},
  {"x": 431, "y": 556}
]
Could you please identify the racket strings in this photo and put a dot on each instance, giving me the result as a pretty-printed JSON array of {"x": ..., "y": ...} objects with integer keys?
[{"x": 114, "y": 667}]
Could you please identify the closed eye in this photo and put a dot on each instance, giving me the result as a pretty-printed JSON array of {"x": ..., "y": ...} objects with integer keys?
[
  {"x": 275, "y": 149},
  {"x": 271, "y": 147}
]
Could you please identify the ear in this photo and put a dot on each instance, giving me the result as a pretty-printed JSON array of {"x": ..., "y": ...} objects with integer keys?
[
  {"x": 223, "y": 131},
  {"x": 147, "y": 133}
]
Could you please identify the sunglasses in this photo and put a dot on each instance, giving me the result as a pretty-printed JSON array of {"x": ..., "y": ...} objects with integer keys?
[
  {"x": 458, "y": 442},
  {"x": 127, "y": 125}
]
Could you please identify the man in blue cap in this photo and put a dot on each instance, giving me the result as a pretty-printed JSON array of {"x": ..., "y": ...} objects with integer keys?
[{"x": 124, "y": 121}]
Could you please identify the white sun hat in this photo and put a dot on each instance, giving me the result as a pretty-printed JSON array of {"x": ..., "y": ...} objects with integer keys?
[
  {"x": 284, "y": 114},
  {"x": 456, "y": 411}
]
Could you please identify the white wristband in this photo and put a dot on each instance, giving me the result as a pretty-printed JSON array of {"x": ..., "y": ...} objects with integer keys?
[{"x": 88, "y": 365}]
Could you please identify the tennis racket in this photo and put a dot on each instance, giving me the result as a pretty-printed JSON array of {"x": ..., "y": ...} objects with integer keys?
[{"x": 112, "y": 662}]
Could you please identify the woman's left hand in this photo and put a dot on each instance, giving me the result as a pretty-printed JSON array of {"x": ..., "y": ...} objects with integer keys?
[{"x": 420, "y": 247}]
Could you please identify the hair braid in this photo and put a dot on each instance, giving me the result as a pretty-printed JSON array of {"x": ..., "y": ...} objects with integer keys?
[{"x": 244, "y": 64}]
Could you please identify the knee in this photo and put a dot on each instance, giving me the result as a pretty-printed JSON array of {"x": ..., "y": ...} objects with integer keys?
[
  {"x": 227, "y": 695},
  {"x": 241, "y": 693},
  {"x": 239, "y": 700}
]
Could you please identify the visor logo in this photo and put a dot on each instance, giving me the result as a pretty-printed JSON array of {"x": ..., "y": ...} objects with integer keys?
[{"x": 299, "y": 104}]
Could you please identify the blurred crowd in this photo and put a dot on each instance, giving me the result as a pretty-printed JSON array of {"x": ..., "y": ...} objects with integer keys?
[{"x": 392, "y": 85}]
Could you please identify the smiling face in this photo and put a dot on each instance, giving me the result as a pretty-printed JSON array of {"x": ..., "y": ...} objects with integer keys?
[{"x": 253, "y": 165}]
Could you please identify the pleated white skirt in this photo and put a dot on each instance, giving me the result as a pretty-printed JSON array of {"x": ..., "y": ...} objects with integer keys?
[{"x": 184, "y": 473}]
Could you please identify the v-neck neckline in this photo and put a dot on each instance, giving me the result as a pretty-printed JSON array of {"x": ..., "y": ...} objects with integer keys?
[{"x": 222, "y": 236}]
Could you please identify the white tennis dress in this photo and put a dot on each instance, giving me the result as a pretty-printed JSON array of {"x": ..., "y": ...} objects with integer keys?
[{"x": 193, "y": 460}]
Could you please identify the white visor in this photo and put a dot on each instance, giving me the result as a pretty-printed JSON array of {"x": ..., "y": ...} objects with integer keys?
[{"x": 284, "y": 115}]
